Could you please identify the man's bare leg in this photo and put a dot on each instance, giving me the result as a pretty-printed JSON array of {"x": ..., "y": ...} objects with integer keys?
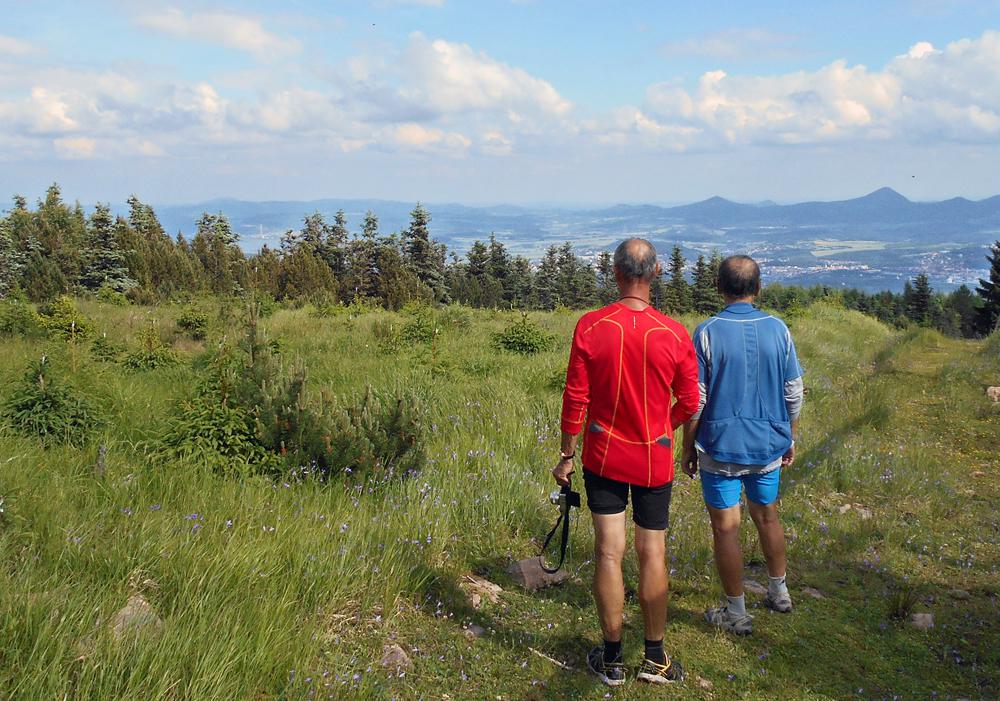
[
  {"x": 726, "y": 544},
  {"x": 609, "y": 587},
  {"x": 772, "y": 536},
  {"x": 650, "y": 546}
]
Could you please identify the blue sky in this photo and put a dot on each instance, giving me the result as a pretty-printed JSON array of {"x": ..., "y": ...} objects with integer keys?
[{"x": 499, "y": 100}]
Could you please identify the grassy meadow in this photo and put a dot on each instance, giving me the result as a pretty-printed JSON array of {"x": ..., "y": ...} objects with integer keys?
[{"x": 291, "y": 588}]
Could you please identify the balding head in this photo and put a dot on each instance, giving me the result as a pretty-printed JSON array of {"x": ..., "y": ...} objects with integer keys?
[
  {"x": 739, "y": 276},
  {"x": 635, "y": 259}
]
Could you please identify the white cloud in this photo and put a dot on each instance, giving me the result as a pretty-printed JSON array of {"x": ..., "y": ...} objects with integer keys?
[
  {"x": 15, "y": 47},
  {"x": 926, "y": 93},
  {"x": 220, "y": 28},
  {"x": 450, "y": 77}
]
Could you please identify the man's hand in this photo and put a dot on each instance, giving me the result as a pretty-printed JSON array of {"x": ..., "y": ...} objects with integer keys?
[
  {"x": 562, "y": 471},
  {"x": 789, "y": 457},
  {"x": 689, "y": 461}
]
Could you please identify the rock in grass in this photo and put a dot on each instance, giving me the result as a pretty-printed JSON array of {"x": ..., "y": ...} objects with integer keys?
[
  {"x": 395, "y": 658},
  {"x": 814, "y": 593},
  {"x": 474, "y": 631},
  {"x": 754, "y": 587},
  {"x": 135, "y": 617},
  {"x": 922, "y": 621},
  {"x": 959, "y": 594},
  {"x": 993, "y": 393},
  {"x": 477, "y": 588},
  {"x": 529, "y": 574},
  {"x": 705, "y": 684}
]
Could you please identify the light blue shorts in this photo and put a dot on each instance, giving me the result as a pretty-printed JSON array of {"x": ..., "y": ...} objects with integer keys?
[{"x": 722, "y": 492}]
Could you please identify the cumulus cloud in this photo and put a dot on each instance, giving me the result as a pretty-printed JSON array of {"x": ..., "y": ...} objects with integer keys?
[
  {"x": 951, "y": 93},
  {"x": 220, "y": 28}
]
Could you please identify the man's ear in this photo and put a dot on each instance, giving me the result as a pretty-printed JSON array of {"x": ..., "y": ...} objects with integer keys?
[{"x": 659, "y": 269}]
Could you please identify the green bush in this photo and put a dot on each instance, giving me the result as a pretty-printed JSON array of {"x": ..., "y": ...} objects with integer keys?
[
  {"x": 106, "y": 350},
  {"x": 110, "y": 295},
  {"x": 524, "y": 336},
  {"x": 17, "y": 318},
  {"x": 249, "y": 414},
  {"x": 194, "y": 322},
  {"x": 455, "y": 316},
  {"x": 61, "y": 318},
  {"x": 41, "y": 405},
  {"x": 420, "y": 328},
  {"x": 387, "y": 335},
  {"x": 152, "y": 352}
]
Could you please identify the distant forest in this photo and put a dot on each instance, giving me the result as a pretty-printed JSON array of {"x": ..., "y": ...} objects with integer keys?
[{"x": 55, "y": 249}]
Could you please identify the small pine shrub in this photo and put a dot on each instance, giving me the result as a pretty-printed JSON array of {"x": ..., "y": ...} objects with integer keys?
[
  {"x": 106, "y": 350},
  {"x": 524, "y": 337},
  {"x": 62, "y": 319},
  {"x": 109, "y": 295},
  {"x": 152, "y": 352},
  {"x": 420, "y": 328},
  {"x": 360, "y": 306},
  {"x": 42, "y": 405},
  {"x": 17, "y": 318},
  {"x": 326, "y": 306},
  {"x": 194, "y": 322}
]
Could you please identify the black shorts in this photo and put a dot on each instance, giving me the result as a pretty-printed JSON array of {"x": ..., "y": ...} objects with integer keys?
[{"x": 650, "y": 505}]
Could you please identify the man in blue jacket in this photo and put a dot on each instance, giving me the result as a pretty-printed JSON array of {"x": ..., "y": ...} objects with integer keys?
[{"x": 744, "y": 433}]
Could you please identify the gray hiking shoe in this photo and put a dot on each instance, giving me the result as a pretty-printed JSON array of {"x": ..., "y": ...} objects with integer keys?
[
  {"x": 737, "y": 625},
  {"x": 781, "y": 603}
]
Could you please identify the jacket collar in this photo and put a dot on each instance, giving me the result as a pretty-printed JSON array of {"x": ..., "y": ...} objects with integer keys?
[{"x": 740, "y": 308}]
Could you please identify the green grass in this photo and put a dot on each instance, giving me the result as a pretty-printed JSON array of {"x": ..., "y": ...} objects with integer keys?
[{"x": 291, "y": 590}]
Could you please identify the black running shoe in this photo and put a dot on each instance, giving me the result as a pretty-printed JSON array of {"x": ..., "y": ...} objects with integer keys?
[
  {"x": 661, "y": 673},
  {"x": 611, "y": 673}
]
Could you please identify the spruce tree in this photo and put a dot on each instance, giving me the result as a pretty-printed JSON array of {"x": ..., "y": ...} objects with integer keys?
[
  {"x": 521, "y": 282},
  {"x": 678, "y": 291},
  {"x": 988, "y": 318},
  {"x": 546, "y": 280},
  {"x": 422, "y": 255},
  {"x": 11, "y": 258},
  {"x": 607, "y": 288},
  {"x": 704, "y": 295},
  {"x": 499, "y": 269},
  {"x": 714, "y": 264},
  {"x": 103, "y": 260},
  {"x": 964, "y": 303},
  {"x": 363, "y": 261},
  {"x": 919, "y": 304},
  {"x": 215, "y": 247}
]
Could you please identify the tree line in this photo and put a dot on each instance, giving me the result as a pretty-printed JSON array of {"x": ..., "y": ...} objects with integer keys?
[{"x": 56, "y": 249}]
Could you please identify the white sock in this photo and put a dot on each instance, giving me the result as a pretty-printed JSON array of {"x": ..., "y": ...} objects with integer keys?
[
  {"x": 737, "y": 606},
  {"x": 776, "y": 587}
]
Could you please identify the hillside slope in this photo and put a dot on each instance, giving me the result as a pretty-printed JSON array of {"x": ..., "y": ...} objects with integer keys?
[{"x": 292, "y": 589}]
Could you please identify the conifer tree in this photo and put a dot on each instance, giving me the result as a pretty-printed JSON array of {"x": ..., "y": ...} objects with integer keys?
[
  {"x": 103, "y": 260},
  {"x": 714, "y": 263},
  {"x": 499, "y": 269},
  {"x": 677, "y": 296},
  {"x": 521, "y": 282},
  {"x": 363, "y": 261},
  {"x": 704, "y": 295},
  {"x": 215, "y": 246},
  {"x": 988, "y": 318},
  {"x": 421, "y": 253},
  {"x": 607, "y": 288},
  {"x": 546, "y": 280},
  {"x": 334, "y": 249},
  {"x": 919, "y": 302},
  {"x": 11, "y": 258}
]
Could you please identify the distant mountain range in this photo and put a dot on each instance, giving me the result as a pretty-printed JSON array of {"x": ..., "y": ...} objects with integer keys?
[{"x": 883, "y": 216}]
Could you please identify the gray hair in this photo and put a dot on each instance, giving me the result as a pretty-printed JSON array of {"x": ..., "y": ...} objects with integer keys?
[{"x": 635, "y": 258}]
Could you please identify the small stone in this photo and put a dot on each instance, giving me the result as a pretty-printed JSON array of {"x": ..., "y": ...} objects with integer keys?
[
  {"x": 476, "y": 588},
  {"x": 864, "y": 513},
  {"x": 959, "y": 594},
  {"x": 474, "y": 631},
  {"x": 705, "y": 684},
  {"x": 978, "y": 473},
  {"x": 844, "y": 508},
  {"x": 993, "y": 393},
  {"x": 814, "y": 593},
  {"x": 395, "y": 657},
  {"x": 136, "y": 616},
  {"x": 529, "y": 574},
  {"x": 922, "y": 621},
  {"x": 754, "y": 587}
]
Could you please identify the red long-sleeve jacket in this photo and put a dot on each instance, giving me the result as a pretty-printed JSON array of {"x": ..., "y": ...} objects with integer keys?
[{"x": 625, "y": 369}]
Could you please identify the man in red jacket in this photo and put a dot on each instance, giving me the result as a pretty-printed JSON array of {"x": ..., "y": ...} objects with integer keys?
[{"x": 628, "y": 365}]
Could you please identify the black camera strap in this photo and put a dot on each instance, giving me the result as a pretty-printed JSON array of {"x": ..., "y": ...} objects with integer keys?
[{"x": 571, "y": 499}]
